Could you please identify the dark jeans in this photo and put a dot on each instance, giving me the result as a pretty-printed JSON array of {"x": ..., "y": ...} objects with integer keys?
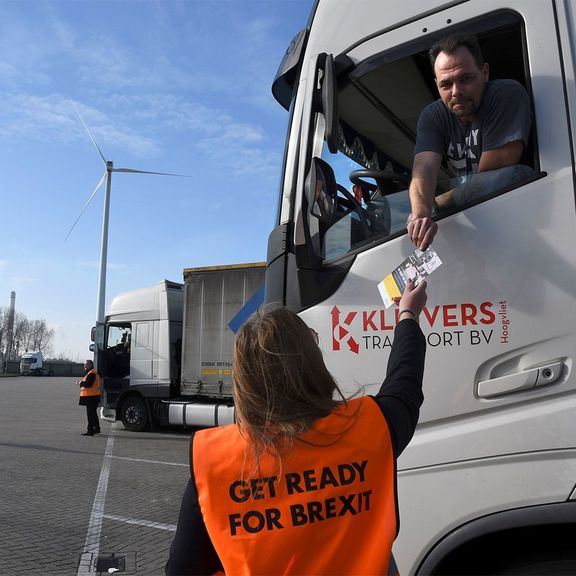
[{"x": 92, "y": 415}]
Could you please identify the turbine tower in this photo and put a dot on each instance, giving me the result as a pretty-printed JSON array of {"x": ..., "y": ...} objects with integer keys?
[
  {"x": 107, "y": 178},
  {"x": 10, "y": 343}
]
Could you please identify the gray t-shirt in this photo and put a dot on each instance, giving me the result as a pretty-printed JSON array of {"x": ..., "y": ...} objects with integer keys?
[{"x": 504, "y": 115}]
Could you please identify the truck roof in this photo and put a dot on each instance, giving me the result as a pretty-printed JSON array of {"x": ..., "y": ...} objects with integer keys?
[
  {"x": 188, "y": 271},
  {"x": 146, "y": 303}
]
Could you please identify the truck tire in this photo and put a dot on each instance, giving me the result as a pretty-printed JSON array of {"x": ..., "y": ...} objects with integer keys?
[
  {"x": 562, "y": 565},
  {"x": 134, "y": 414}
]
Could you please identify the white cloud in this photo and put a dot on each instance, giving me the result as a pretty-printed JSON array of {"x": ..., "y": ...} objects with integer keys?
[
  {"x": 13, "y": 75},
  {"x": 53, "y": 118},
  {"x": 138, "y": 126}
]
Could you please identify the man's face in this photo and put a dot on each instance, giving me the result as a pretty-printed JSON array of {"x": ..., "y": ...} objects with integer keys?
[{"x": 460, "y": 82}]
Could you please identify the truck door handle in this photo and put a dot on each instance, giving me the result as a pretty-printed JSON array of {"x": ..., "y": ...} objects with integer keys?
[{"x": 529, "y": 379}]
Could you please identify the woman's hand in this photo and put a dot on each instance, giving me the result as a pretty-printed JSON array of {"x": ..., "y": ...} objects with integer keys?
[{"x": 414, "y": 298}]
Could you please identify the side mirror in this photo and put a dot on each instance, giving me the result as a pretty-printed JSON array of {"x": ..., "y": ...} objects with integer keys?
[
  {"x": 97, "y": 335},
  {"x": 93, "y": 336},
  {"x": 330, "y": 104},
  {"x": 321, "y": 190},
  {"x": 289, "y": 70}
]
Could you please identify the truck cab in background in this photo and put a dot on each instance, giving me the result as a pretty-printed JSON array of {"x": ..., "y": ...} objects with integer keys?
[
  {"x": 488, "y": 483},
  {"x": 164, "y": 354},
  {"x": 32, "y": 364}
]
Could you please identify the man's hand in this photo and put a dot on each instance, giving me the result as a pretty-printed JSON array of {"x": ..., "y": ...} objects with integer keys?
[{"x": 421, "y": 231}]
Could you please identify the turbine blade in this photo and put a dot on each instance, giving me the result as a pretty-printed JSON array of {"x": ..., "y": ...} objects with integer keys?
[
  {"x": 88, "y": 132},
  {"x": 86, "y": 205},
  {"x": 132, "y": 171}
]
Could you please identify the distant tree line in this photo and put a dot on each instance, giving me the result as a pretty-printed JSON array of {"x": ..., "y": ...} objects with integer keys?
[{"x": 27, "y": 336}]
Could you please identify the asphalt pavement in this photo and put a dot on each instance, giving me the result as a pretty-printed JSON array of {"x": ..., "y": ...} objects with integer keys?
[{"x": 76, "y": 505}]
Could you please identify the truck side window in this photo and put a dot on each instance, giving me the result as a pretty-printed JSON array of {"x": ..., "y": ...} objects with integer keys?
[
  {"x": 379, "y": 102},
  {"x": 117, "y": 351}
]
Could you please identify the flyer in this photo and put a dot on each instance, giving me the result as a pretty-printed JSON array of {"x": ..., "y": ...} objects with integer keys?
[{"x": 416, "y": 267}]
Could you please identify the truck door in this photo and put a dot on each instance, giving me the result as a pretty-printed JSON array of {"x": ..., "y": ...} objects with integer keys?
[
  {"x": 142, "y": 352},
  {"x": 496, "y": 427}
]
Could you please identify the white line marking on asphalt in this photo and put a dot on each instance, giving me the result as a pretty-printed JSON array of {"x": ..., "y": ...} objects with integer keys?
[
  {"x": 150, "y": 461},
  {"x": 137, "y": 521},
  {"x": 92, "y": 543}
]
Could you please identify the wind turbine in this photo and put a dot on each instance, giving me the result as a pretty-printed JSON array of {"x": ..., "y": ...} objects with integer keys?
[{"x": 106, "y": 178}]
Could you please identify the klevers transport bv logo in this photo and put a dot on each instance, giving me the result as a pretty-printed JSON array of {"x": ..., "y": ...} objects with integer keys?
[{"x": 451, "y": 325}]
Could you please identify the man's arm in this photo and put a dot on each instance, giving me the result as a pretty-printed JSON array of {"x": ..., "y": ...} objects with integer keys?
[
  {"x": 507, "y": 155},
  {"x": 421, "y": 229}
]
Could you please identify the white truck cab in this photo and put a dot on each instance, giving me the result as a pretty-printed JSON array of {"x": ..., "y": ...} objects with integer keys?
[
  {"x": 487, "y": 485},
  {"x": 32, "y": 364},
  {"x": 164, "y": 353}
]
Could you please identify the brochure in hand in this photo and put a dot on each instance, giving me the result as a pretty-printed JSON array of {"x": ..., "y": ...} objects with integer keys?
[{"x": 416, "y": 267}]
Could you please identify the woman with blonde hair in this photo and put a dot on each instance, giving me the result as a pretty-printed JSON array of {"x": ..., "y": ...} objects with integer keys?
[{"x": 305, "y": 481}]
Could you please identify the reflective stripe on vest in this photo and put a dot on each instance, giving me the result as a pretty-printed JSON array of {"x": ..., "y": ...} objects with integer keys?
[
  {"x": 93, "y": 390},
  {"x": 330, "y": 508}
]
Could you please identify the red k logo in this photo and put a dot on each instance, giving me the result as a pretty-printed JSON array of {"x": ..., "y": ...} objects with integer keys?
[{"x": 340, "y": 331}]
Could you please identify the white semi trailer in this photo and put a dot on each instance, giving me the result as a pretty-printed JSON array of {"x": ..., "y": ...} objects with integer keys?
[{"x": 165, "y": 352}]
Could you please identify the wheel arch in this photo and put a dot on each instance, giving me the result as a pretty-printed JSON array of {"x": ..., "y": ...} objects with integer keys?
[
  {"x": 510, "y": 533},
  {"x": 128, "y": 395}
]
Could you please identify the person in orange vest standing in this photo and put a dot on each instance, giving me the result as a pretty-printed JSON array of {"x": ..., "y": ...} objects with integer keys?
[
  {"x": 90, "y": 397},
  {"x": 305, "y": 481}
]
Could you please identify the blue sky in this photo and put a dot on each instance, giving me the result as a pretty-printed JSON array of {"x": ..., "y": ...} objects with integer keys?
[{"x": 167, "y": 86}]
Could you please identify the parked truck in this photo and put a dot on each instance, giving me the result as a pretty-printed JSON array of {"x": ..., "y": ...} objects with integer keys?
[
  {"x": 32, "y": 364},
  {"x": 488, "y": 483},
  {"x": 164, "y": 353}
]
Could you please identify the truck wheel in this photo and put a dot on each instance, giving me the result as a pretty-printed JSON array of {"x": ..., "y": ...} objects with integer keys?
[
  {"x": 551, "y": 567},
  {"x": 548, "y": 559},
  {"x": 134, "y": 414}
]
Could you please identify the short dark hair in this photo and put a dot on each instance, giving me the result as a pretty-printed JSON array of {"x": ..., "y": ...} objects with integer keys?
[{"x": 449, "y": 45}]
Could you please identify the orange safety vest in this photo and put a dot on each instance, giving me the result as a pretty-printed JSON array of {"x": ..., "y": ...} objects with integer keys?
[
  {"x": 93, "y": 390},
  {"x": 330, "y": 507}
]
